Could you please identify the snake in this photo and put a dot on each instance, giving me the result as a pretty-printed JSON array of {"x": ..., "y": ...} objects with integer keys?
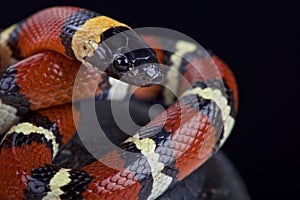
[{"x": 43, "y": 55}]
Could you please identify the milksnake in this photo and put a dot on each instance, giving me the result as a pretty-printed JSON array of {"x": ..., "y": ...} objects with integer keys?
[{"x": 40, "y": 61}]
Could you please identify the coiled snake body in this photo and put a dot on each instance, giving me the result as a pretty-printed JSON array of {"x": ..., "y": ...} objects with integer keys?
[{"x": 40, "y": 59}]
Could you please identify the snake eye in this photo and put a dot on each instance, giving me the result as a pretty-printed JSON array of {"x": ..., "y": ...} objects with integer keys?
[{"x": 121, "y": 63}]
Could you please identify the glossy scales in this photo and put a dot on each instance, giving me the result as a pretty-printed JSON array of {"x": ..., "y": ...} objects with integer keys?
[{"x": 171, "y": 146}]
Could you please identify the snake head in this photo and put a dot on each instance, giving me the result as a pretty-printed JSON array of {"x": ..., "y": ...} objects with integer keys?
[
  {"x": 123, "y": 55},
  {"x": 139, "y": 67}
]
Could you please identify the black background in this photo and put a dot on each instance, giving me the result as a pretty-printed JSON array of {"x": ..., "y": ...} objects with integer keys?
[{"x": 259, "y": 40}]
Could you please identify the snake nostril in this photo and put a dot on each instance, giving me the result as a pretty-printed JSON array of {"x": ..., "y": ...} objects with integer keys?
[{"x": 151, "y": 72}]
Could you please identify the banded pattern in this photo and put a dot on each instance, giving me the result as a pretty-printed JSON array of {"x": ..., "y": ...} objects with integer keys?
[{"x": 41, "y": 63}]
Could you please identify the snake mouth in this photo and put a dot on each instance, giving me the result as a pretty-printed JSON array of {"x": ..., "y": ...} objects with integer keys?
[{"x": 144, "y": 75}]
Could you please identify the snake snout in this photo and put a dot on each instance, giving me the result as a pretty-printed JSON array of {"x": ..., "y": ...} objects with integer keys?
[
  {"x": 144, "y": 75},
  {"x": 151, "y": 74}
]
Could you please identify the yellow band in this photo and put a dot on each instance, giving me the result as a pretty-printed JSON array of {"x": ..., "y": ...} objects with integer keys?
[{"x": 88, "y": 36}]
